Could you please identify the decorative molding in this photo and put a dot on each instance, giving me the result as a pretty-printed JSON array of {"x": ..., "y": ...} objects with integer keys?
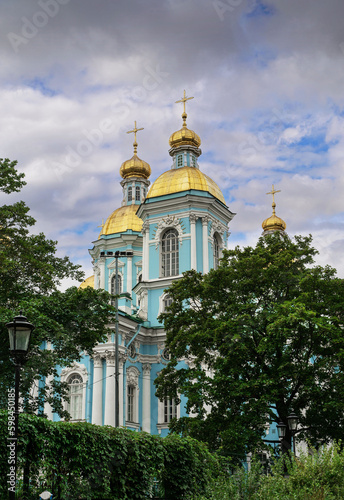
[
  {"x": 146, "y": 368},
  {"x": 74, "y": 368},
  {"x": 110, "y": 358},
  {"x": 193, "y": 218},
  {"x": 168, "y": 222},
  {"x": 133, "y": 376},
  {"x": 97, "y": 360},
  {"x": 145, "y": 226}
]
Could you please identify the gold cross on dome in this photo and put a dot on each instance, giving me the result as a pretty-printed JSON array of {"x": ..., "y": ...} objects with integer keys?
[
  {"x": 273, "y": 192},
  {"x": 135, "y": 129},
  {"x": 184, "y": 99}
]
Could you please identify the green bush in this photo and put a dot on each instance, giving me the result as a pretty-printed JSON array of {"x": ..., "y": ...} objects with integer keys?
[{"x": 81, "y": 460}]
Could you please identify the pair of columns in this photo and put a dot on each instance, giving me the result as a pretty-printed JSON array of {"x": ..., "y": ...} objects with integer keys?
[{"x": 97, "y": 400}]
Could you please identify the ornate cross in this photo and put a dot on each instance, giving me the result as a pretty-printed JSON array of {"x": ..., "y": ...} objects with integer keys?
[
  {"x": 273, "y": 192},
  {"x": 184, "y": 99},
  {"x": 135, "y": 129}
]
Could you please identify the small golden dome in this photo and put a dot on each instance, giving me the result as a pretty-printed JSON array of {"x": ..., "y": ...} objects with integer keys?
[
  {"x": 184, "y": 179},
  {"x": 184, "y": 137},
  {"x": 274, "y": 223},
  {"x": 135, "y": 167},
  {"x": 87, "y": 282},
  {"x": 121, "y": 220}
]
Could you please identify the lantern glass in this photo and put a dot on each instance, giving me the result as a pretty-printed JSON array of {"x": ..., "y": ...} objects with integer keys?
[
  {"x": 19, "y": 331},
  {"x": 292, "y": 421},
  {"x": 281, "y": 428}
]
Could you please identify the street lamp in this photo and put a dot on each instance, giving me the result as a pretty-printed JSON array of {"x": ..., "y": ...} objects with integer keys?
[
  {"x": 292, "y": 424},
  {"x": 19, "y": 331},
  {"x": 117, "y": 255}
]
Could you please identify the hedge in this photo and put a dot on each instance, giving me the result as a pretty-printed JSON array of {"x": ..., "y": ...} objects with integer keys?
[{"x": 86, "y": 461}]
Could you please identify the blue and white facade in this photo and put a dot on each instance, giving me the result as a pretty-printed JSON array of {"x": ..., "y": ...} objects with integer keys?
[{"x": 178, "y": 223}]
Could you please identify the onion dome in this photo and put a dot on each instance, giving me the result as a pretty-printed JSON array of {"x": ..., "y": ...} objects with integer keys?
[
  {"x": 87, "y": 282},
  {"x": 121, "y": 220},
  {"x": 274, "y": 223},
  {"x": 184, "y": 179},
  {"x": 135, "y": 167},
  {"x": 184, "y": 136}
]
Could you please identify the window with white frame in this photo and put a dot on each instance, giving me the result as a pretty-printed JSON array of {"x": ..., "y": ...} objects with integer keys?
[
  {"x": 113, "y": 286},
  {"x": 217, "y": 251},
  {"x": 137, "y": 193},
  {"x": 167, "y": 301},
  {"x": 130, "y": 193},
  {"x": 74, "y": 407},
  {"x": 131, "y": 403},
  {"x": 170, "y": 253},
  {"x": 170, "y": 410},
  {"x": 179, "y": 160}
]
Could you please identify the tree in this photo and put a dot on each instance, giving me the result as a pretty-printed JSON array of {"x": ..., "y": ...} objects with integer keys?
[
  {"x": 72, "y": 322},
  {"x": 260, "y": 335}
]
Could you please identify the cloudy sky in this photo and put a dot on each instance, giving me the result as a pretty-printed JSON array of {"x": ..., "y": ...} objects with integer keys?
[{"x": 267, "y": 79}]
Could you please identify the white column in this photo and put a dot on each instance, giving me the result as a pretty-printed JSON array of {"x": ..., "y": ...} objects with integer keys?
[
  {"x": 109, "y": 418},
  {"x": 47, "y": 407},
  {"x": 205, "y": 221},
  {"x": 146, "y": 398},
  {"x": 102, "y": 273},
  {"x": 145, "y": 258},
  {"x": 193, "y": 219},
  {"x": 97, "y": 390},
  {"x": 129, "y": 274},
  {"x": 121, "y": 392}
]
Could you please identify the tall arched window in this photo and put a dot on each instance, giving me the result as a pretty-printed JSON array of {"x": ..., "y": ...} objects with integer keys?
[
  {"x": 113, "y": 286},
  {"x": 130, "y": 193},
  {"x": 131, "y": 403},
  {"x": 170, "y": 253},
  {"x": 167, "y": 301},
  {"x": 75, "y": 394},
  {"x": 216, "y": 251}
]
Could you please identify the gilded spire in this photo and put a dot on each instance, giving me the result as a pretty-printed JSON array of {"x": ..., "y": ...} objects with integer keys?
[
  {"x": 274, "y": 223},
  {"x": 135, "y": 129},
  {"x": 183, "y": 100}
]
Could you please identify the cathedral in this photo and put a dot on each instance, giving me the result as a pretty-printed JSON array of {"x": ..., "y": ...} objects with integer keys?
[{"x": 177, "y": 223}]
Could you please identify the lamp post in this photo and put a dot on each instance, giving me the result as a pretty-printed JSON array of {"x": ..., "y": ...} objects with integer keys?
[
  {"x": 292, "y": 420},
  {"x": 19, "y": 331},
  {"x": 292, "y": 424},
  {"x": 117, "y": 255}
]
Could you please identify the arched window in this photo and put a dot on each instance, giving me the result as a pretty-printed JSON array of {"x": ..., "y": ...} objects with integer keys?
[
  {"x": 130, "y": 193},
  {"x": 217, "y": 251},
  {"x": 113, "y": 286},
  {"x": 170, "y": 253},
  {"x": 167, "y": 301},
  {"x": 137, "y": 193},
  {"x": 74, "y": 407}
]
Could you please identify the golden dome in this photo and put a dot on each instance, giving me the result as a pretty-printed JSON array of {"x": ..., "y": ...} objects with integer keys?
[
  {"x": 87, "y": 282},
  {"x": 121, "y": 220},
  {"x": 274, "y": 223},
  {"x": 184, "y": 137},
  {"x": 184, "y": 179},
  {"x": 135, "y": 167}
]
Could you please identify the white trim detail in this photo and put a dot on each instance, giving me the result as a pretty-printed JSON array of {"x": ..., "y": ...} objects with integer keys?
[
  {"x": 76, "y": 369},
  {"x": 168, "y": 222}
]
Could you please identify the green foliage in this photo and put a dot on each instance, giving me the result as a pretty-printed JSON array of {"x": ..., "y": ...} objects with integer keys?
[
  {"x": 30, "y": 273},
  {"x": 267, "y": 325},
  {"x": 315, "y": 476},
  {"x": 93, "y": 462}
]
